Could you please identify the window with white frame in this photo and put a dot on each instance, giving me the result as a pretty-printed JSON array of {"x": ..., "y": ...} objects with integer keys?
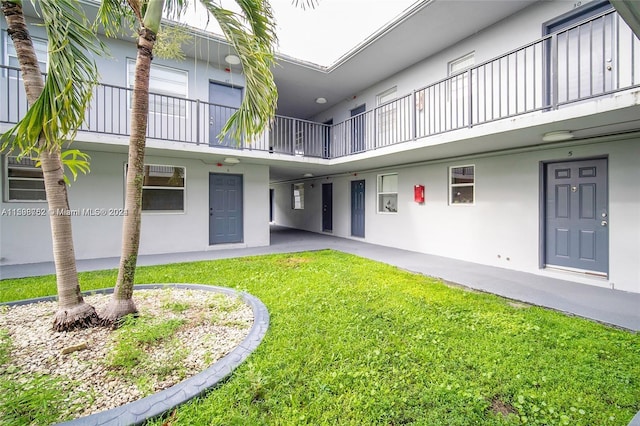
[
  {"x": 40, "y": 47},
  {"x": 386, "y": 112},
  {"x": 462, "y": 180},
  {"x": 459, "y": 83},
  {"x": 163, "y": 188},
  {"x": 168, "y": 88},
  {"x": 388, "y": 193},
  {"x": 25, "y": 181},
  {"x": 297, "y": 196}
]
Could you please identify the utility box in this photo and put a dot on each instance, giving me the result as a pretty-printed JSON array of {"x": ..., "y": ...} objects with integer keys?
[{"x": 418, "y": 193}]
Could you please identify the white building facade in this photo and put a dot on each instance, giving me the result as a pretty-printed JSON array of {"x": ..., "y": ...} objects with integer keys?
[{"x": 515, "y": 144}]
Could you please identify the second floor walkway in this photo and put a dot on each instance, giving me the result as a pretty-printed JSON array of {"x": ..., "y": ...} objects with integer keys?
[{"x": 593, "y": 58}]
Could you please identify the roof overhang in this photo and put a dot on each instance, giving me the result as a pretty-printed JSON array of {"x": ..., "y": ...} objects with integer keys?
[{"x": 630, "y": 12}]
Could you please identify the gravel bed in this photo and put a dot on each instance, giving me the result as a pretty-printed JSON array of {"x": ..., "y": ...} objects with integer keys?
[{"x": 215, "y": 324}]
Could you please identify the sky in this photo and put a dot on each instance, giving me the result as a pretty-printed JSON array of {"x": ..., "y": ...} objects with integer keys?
[{"x": 323, "y": 34}]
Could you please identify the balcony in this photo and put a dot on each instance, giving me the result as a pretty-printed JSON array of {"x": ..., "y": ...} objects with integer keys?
[{"x": 593, "y": 58}]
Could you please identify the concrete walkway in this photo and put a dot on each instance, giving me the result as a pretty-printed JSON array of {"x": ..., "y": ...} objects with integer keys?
[{"x": 614, "y": 307}]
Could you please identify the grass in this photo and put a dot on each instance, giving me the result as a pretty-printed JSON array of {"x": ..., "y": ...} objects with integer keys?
[
  {"x": 31, "y": 399},
  {"x": 36, "y": 400},
  {"x": 352, "y": 341},
  {"x": 131, "y": 338}
]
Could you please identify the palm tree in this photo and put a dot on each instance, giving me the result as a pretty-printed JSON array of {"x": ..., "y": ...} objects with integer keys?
[
  {"x": 57, "y": 108},
  {"x": 252, "y": 34}
]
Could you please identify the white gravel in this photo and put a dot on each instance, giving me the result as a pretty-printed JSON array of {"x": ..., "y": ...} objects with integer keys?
[{"x": 215, "y": 324}]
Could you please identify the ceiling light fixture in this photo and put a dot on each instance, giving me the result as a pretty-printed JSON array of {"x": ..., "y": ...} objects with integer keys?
[
  {"x": 232, "y": 59},
  {"x": 308, "y": 175},
  {"x": 559, "y": 136},
  {"x": 231, "y": 160},
  {"x": 321, "y": 100}
]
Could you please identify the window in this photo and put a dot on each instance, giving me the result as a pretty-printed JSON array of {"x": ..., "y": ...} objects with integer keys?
[
  {"x": 386, "y": 115},
  {"x": 25, "y": 181},
  {"x": 462, "y": 184},
  {"x": 297, "y": 196},
  {"x": 460, "y": 80},
  {"x": 163, "y": 188},
  {"x": 40, "y": 46},
  {"x": 388, "y": 193},
  {"x": 168, "y": 89}
]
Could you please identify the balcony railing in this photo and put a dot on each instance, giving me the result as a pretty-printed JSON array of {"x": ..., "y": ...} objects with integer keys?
[{"x": 595, "y": 57}]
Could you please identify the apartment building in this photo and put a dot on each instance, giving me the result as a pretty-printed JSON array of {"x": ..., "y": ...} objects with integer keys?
[{"x": 503, "y": 133}]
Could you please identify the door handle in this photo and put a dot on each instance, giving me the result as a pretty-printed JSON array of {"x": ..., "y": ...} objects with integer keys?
[{"x": 604, "y": 223}]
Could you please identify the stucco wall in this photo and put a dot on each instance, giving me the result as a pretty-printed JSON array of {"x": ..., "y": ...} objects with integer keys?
[
  {"x": 28, "y": 239},
  {"x": 511, "y": 33},
  {"x": 502, "y": 228}
]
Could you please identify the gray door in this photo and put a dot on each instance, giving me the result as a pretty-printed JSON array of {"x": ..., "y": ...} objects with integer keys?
[
  {"x": 584, "y": 57},
  {"x": 224, "y": 101},
  {"x": 327, "y": 207},
  {"x": 326, "y": 142},
  {"x": 358, "y": 125},
  {"x": 357, "y": 208},
  {"x": 272, "y": 197},
  {"x": 225, "y": 209},
  {"x": 576, "y": 215}
]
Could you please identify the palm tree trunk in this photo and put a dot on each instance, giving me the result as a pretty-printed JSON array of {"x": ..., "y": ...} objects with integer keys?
[
  {"x": 72, "y": 312},
  {"x": 122, "y": 303}
]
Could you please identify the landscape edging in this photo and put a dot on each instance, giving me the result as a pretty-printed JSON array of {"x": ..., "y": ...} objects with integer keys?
[{"x": 155, "y": 405}]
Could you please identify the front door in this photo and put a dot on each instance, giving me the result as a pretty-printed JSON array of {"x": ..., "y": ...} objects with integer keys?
[
  {"x": 225, "y": 209},
  {"x": 272, "y": 197},
  {"x": 224, "y": 101},
  {"x": 576, "y": 215},
  {"x": 583, "y": 58},
  {"x": 326, "y": 140},
  {"x": 357, "y": 208},
  {"x": 327, "y": 207},
  {"x": 358, "y": 125}
]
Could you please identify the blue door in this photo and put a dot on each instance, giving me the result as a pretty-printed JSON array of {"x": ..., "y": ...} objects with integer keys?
[
  {"x": 358, "y": 125},
  {"x": 225, "y": 209},
  {"x": 357, "y": 208},
  {"x": 224, "y": 101},
  {"x": 576, "y": 215}
]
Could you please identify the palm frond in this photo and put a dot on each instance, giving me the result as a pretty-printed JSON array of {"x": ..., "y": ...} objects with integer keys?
[
  {"x": 115, "y": 16},
  {"x": 260, "y": 17},
  {"x": 256, "y": 53},
  {"x": 173, "y": 9},
  {"x": 170, "y": 41},
  {"x": 305, "y": 4},
  {"x": 59, "y": 110}
]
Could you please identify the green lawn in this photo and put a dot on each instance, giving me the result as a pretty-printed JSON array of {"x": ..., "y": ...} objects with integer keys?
[{"x": 352, "y": 341}]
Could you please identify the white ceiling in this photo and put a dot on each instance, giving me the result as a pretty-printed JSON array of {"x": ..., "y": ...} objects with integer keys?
[{"x": 424, "y": 30}]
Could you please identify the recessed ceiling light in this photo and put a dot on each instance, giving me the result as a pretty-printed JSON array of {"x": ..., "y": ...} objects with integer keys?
[
  {"x": 321, "y": 101},
  {"x": 232, "y": 59},
  {"x": 560, "y": 135},
  {"x": 231, "y": 160},
  {"x": 308, "y": 175}
]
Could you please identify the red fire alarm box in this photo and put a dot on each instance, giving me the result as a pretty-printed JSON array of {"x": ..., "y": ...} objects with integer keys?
[{"x": 418, "y": 193}]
